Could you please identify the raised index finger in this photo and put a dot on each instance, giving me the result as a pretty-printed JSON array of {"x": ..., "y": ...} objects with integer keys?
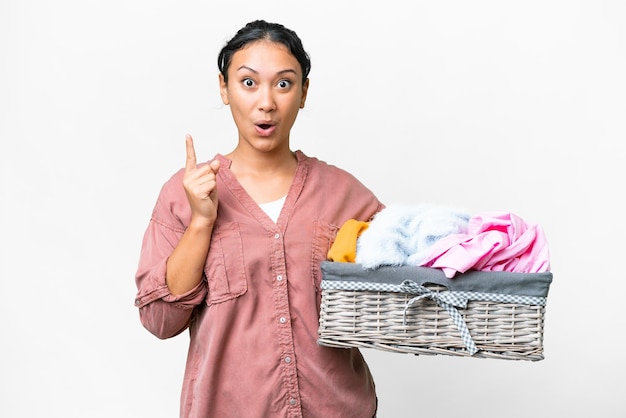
[{"x": 190, "y": 163}]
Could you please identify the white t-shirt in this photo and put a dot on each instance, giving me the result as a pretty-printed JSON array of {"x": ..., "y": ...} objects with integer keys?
[{"x": 273, "y": 208}]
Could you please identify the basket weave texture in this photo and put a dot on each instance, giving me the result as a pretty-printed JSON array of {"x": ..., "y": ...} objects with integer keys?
[{"x": 398, "y": 321}]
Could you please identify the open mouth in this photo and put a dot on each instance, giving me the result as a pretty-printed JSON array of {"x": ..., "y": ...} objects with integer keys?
[{"x": 265, "y": 128}]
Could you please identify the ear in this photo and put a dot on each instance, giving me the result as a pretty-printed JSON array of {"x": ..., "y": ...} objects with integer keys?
[
  {"x": 305, "y": 89},
  {"x": 223, "y": 90}
]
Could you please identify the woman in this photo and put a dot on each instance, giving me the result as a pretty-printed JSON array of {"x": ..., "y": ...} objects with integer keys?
[{"x": 233, "y": 251}]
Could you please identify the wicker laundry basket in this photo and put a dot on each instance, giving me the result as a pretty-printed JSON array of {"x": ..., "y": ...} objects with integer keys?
[{"x": 418, "y": 310}]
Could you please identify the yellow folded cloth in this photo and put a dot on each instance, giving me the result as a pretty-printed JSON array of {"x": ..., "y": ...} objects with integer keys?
[{"x": 344, "y": 247}]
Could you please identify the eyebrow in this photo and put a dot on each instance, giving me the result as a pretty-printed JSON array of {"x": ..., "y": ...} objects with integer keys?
[{"x": 288, "y": 70}]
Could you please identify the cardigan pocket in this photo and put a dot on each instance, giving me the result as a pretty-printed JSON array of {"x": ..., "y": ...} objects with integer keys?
[
  {"x": 224, "y": 269},
  {"x": 324, "y": 234}
]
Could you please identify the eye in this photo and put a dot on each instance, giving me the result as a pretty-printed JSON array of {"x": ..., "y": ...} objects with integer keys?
[
  {"x": 248, "y": 82},
  {"x": 284, "y": 84}
]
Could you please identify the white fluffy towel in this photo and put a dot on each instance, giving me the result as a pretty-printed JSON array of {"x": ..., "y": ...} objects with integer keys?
[{"x": 403, "y": 235}]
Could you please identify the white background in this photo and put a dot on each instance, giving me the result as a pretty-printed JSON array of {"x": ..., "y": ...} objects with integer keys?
[{"x": 485, "y": 105}]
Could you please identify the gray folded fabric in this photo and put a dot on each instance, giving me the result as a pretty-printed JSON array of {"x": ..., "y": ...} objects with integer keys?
[{"x": 500, "y": 282}]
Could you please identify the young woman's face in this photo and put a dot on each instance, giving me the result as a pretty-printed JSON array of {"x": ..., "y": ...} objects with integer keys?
[{"x": 265, "y": 93}]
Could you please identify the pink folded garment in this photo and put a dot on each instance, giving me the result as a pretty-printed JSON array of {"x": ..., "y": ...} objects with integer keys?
[{"x": 495, "y": 241}]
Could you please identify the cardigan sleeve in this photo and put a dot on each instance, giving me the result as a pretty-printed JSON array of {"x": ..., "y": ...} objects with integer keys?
[{"x": 160, "y": 312}]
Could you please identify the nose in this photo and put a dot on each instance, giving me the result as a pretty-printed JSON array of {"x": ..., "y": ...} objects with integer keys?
[{"x": 266, "y": 102}]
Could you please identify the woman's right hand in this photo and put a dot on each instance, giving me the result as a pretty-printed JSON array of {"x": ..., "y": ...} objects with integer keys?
[{"x": 200, "y": 183}]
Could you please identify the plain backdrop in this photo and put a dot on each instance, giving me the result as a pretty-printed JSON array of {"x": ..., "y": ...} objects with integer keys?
[{"x": 482, "y": 105}]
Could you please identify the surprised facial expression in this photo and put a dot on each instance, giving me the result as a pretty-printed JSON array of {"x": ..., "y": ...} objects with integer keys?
[{"x": 265, "y": 93}]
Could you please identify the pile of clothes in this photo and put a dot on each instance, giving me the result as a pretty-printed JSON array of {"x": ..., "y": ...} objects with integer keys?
[{"x": 442, "y": 237}]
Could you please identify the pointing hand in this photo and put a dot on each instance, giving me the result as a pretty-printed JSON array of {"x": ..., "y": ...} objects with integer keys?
[{"x": 200, "y": 185}]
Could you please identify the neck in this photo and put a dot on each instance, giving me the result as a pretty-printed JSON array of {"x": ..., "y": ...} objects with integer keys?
[
  {"x": 265, "y": 177},
  {"x": 265, "y": 163}
]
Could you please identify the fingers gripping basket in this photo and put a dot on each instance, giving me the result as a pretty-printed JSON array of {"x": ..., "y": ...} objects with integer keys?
[{"x": 418, "y": 310}]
